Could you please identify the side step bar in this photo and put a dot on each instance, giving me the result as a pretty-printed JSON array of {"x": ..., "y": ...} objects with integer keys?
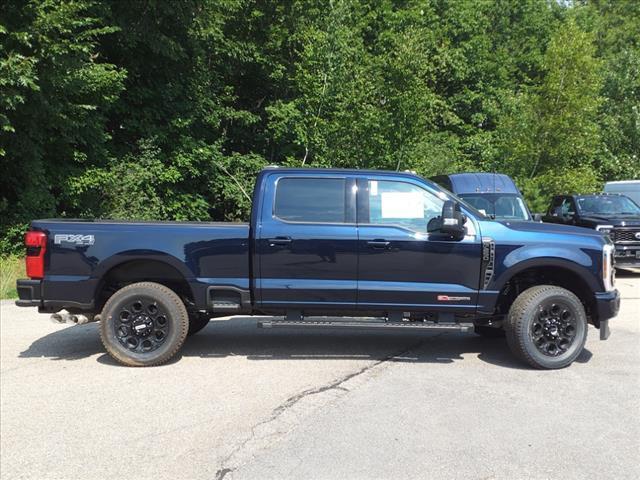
[{"x": 366, "y": 324}]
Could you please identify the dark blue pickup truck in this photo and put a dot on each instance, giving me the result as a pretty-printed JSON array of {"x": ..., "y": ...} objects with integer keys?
[{"x": 328, "y": 249}]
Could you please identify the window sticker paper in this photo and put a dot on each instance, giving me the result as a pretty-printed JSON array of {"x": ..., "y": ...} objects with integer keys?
[{"x": 402, "y": 205}]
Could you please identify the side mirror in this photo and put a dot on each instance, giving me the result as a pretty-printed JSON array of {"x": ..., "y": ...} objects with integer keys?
[
  {"x": 451, "y": 222},
  {"x": 537, "y": 217},
  {"x": 557, "y": 212}
]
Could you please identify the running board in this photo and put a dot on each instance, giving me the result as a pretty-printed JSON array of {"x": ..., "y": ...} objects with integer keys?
[{"x": 336, "y": 325}]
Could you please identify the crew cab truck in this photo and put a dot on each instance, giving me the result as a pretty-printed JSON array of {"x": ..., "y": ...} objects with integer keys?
[
  {"x": 383, "y": 250},
  {"x": 610, "y": 214}
]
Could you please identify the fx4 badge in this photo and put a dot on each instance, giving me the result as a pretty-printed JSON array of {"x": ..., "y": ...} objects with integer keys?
[{"x": 75, "y": 238}]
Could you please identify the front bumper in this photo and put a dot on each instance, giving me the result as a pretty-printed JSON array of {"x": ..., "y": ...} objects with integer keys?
[
  {"x": 622, "y": 262},
  {"x": 29, "y": 293},
  {"x": 608, "y": 305},
  {"x": 627, "y": 255}
]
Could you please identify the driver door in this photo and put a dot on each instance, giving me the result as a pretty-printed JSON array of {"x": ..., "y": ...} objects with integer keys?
[{"x": 401, "y": 266}]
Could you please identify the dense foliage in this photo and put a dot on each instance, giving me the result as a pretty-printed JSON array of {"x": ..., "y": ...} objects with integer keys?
[{"x": 166, "y": 110}]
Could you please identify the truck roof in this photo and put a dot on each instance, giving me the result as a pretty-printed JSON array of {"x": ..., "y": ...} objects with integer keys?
[
  {"x": 359, "y": 171},
  {"x": 462, "y": 183},
  {"x": 339, "y": 171},
  {"x": 623, "y": 182},
  {"x": 589, "y": 195}
]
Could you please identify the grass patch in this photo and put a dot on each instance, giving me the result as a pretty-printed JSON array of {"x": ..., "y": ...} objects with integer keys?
[{"x": 11, "y": 268}]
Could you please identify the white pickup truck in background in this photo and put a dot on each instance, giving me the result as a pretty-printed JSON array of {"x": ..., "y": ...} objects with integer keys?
[{"x": 628, "y": 188}]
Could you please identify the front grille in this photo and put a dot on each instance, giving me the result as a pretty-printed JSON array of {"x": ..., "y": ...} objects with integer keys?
[{"x": 625, "y": 235}]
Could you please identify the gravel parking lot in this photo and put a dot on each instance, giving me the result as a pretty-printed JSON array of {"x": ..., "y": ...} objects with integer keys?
[{"x": 241, "y": 402}]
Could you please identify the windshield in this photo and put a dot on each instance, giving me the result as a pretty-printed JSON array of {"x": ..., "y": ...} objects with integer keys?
[
  {"x": 607, "y": 205},
  {"x": 501, "y": 206},
  {"x": 469, "y": 206}
]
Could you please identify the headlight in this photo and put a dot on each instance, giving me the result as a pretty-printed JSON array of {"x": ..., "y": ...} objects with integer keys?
[
  {"x": 608, "y": 272},
  {"x": 606, "y": 230}
]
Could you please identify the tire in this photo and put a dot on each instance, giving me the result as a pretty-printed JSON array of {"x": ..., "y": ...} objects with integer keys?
[
  {"x": 197, "y": 322},
  {"x": 488, "y": 332},
  {"x": 546, "y": 327},
  {"x": 144, "y": 324}
]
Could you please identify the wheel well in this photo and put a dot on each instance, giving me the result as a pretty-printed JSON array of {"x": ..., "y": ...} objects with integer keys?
[
  {"x": 559, "y": 276},
  {"x": 142, "y": 271}
]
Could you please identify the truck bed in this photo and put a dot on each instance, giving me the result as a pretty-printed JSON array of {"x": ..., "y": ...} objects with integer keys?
[{"x": 82, "y": 252}]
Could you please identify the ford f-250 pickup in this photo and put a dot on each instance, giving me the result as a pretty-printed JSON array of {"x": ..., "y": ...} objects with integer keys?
[
  {"x": 611, "y": 214},
  {"x": 329, "y": 249}
]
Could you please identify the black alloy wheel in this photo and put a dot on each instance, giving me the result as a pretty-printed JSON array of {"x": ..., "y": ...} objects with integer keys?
[
  {"x": 144, "y": 324},
  {"x": 141, "y": 325},
  {"x": 554, "y": 328},
  {"x": 547, "y": 327}
]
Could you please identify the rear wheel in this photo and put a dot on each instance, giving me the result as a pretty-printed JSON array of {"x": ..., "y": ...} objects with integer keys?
[
  {"x": 547, "y": 327},
  {"x": 143, "y": 324}
]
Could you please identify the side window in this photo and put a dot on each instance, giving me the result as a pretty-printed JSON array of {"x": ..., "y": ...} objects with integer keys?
[
  {"x": 317, "y": 200},
  {"x": 558, "y": 202},
  {"x": 568, "y": 207},
  {"x": 403, "y": 204}
]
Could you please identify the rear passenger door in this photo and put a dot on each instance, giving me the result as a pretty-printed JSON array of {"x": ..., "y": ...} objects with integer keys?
[{"x": 307, "y": 243}]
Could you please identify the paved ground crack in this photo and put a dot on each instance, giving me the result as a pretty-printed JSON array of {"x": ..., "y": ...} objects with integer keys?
[
  {"x": 337, "y": 384},
  {"x": 220, "y": 474},
  {"x": 291, "y": 401}
]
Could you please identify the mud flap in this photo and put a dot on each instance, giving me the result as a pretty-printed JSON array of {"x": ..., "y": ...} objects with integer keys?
[{"x": 604, "y": 329}]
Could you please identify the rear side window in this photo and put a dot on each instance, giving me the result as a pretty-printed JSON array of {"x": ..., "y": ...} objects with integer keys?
[{"x": 318, "y": 200}]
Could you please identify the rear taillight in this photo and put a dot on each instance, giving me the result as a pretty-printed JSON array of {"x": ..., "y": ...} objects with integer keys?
[{"x": 36, "y": 243}]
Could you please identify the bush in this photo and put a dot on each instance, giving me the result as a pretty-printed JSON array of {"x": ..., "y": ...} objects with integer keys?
[
  {"x": 539, "y": 190},
  {"x": 11, "y": 268},
  {"x": 12, "y": 239}
]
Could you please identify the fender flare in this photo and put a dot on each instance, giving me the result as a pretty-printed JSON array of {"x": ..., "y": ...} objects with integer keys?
[
  {"x": 121, "y": 258},
  {"x": 579, "y": 269}
]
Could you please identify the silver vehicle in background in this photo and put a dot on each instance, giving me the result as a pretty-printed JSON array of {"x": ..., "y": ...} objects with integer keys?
[{"x": 628, "y": 188}]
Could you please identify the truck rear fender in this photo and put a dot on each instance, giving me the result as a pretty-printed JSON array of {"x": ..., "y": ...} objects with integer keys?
[{"x": 118, "y": 271}]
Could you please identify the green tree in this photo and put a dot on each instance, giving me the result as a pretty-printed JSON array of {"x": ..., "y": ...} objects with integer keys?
[
  {"x": 616, "y": 24},
  {"x": 553, "y": 129},
  {"x": 55, "y": 92},
  {"x": 167, "y": 110}
]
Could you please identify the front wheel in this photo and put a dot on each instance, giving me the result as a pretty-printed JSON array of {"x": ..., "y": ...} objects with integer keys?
[
  {"x": 144, "y": 324},
  {"x": 547, "y": 327}
]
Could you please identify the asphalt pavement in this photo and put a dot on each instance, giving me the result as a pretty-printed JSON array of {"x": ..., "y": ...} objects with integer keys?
[{"x": 245, "y": 403}]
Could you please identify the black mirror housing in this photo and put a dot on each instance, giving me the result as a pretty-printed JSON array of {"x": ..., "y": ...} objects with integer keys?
[{"x": 451, "y": 222}]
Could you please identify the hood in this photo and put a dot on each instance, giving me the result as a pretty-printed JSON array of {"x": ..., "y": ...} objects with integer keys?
[
  {"x": 536, "y": 227},
  {"x": 615, "y": 220}
]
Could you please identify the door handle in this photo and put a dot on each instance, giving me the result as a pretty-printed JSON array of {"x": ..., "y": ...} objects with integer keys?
[
  {"x": 379, "y": 244},
  {"x": 279, "y": 241}
]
